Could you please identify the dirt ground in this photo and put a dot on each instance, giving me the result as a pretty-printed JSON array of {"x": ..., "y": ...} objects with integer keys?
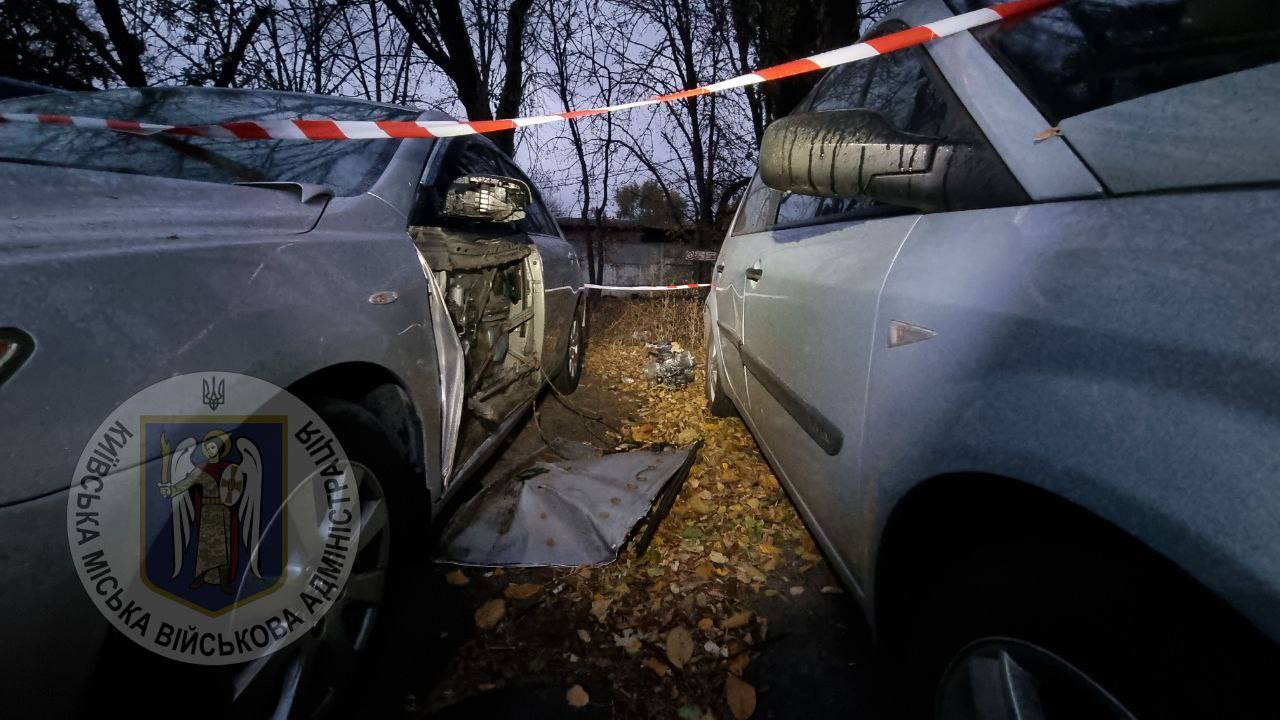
[{"x": 731, "y": 612}]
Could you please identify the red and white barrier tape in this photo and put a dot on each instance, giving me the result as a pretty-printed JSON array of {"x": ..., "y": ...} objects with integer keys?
[
  {"x": 396, "y": 129},
  {"x": 646, "y": 288}
]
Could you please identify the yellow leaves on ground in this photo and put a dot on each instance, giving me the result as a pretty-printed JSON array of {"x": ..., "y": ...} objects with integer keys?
[
  {"x": 740, "y": 696},
  {"x": 577, "y": 697},
  {"x": 672, "y": 629},
  {"x": 679, "y": 646},
  {"x": 658, "y": 667},
  {"x": 491, "y": 613},
  {"x": 522, "y": 591}
]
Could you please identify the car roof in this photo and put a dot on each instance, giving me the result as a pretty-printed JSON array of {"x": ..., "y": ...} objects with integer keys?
[{"x": 214, "y": 92}]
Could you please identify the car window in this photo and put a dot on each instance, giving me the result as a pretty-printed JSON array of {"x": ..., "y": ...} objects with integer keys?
[
  {"x": 907, "y": 91},
  {"x": 475, "y": 156},
  {"x": 348, "y": 166},
  {"x": 759, "y": 206},
  {"x": 895, "y": 85},
  {"x": 1092, "y": 53}
]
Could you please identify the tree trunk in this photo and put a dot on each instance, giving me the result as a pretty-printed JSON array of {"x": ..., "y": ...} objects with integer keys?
[{"x": 129, "y": 48}]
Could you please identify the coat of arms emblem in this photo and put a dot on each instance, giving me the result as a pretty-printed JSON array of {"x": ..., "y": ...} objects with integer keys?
[
  {"x": 215, "y": 514},
  {"x": 214, "y": 521}
]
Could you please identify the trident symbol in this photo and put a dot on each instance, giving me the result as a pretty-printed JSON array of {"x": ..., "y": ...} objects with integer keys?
[{"x": 215, "y": 392}]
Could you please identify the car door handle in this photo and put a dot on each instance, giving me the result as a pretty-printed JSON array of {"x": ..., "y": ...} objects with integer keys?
[{"x": 753, "y": 274}]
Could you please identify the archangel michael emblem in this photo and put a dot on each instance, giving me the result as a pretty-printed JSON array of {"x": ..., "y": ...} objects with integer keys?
[{"x": 215, "y": 514}]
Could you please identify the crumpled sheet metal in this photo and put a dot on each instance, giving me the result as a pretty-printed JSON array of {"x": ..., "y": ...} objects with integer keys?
[{"x": 564, "y": 514}]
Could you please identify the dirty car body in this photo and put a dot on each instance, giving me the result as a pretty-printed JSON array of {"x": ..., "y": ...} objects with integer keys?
[
  {"x": 1053, "y": 367},
  {"x": 128, "y": 260}
]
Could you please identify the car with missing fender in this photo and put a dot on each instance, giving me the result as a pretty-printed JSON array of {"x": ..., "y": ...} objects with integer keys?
[
  {"x": 1000, "y": 312},
  {"x": 415, "y": 293}
]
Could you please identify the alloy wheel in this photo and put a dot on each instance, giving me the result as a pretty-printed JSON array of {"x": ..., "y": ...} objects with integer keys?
[
  {"x": 1007, "y": 679},
  {"x": 304, "y": 679}
]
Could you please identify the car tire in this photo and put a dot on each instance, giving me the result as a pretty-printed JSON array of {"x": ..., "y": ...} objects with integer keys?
[
  {"x": 1077, "y": 625},
  {"x": 718, "y": 403},
  {"x": 322, "y": 670},
  {"x": 310, "y": 677},
  {"x": 570, "y": 372}
]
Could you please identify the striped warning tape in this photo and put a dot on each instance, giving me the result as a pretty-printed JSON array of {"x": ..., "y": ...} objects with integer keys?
[
  {"x": 397, "y": 129},
  {"x": 646, "y": 288}
]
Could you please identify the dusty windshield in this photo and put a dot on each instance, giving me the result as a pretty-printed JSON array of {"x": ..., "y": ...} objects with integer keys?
[{"x": 348, "y": 166}]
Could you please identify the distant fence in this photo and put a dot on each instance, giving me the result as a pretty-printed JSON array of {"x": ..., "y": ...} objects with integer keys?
[{"x": 639, "y": 256}]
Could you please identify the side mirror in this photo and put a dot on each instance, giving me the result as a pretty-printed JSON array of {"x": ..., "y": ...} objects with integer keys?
[
  {"x": 487, "y": 198},
  {"x": 839, "y": 153}
]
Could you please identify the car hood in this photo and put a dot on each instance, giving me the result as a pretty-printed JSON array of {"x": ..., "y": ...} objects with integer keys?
[{"x": 49, "y": 208}]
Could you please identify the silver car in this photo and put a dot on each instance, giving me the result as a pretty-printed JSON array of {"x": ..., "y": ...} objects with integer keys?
[
  {"x": 1001, "y": 312},
  {"x": 363, "y": 276}
]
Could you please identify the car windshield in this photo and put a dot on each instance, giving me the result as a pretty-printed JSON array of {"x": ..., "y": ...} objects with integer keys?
[{"x": 348, "y": 166}]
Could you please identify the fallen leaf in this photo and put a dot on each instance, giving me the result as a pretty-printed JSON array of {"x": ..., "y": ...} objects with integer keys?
[
  {"x": 738, "y": 663},
  {"x": 718, "y": 558},
  {"x": 679, "y": 646},
  {"x": 741, "y": 697},
  {"x": 584, "y": 636},
  {"x": 657, "y": 666},
  {"x": 797, "y": 590},
  {"x": 578, "y": 697},
  {"x": 705, "y": 624},
  {"x": 600, "y": 609},
  {"x": 457, "y": 577},
  {"x": 491, "y": 613},
  {"x": 521, "y": 591},
  {"x": 831, "y": 590},
  {"x": 736, "y": 620},
  {"x": 1046, "y": 134}
]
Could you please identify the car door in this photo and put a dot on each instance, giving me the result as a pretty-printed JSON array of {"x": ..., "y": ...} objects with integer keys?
[
  {"x": 561, "y": 273},
  {"x": 728, "y": 281},
  {"x": 811, "y": 297}
]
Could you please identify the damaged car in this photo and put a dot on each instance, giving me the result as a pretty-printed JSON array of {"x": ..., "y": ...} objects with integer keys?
[
  {"x": 995, "y": 310},
  {"x": 415, "y": 293}
]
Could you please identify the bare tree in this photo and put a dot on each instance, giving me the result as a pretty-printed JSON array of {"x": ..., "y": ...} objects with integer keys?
[
  {"x": 443, "y": 32},
  {"x": 129, "y": 48},
  {"x": 702, "y": 145}
]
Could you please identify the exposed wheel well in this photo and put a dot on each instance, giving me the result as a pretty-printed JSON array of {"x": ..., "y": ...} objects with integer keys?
[
  {"x": 381, "y": 393},
  {"x": 1018, "y": 558}
]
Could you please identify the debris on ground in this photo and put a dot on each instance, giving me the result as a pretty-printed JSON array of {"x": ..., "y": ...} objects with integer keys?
[
  {"x": 571, "y": 513},
  {"x": 683, "y": 627},
  {"x": 670, "y": 365}
]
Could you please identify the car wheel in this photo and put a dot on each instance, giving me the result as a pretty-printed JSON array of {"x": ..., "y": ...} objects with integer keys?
[
  {"x": 308, "y": 678},
  {"x": 1028, "y": 623},
  {"x": 1006, "y": 679},
  {"x": 718, "y": 404},
  {"x": 566, "y": 380}
]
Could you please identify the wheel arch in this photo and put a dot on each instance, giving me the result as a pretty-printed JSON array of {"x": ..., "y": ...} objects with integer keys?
[
  {"x": 379, "y": 391},
  {"x": 952, "y": 514},
  {"x": 968, "y": 555}
]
